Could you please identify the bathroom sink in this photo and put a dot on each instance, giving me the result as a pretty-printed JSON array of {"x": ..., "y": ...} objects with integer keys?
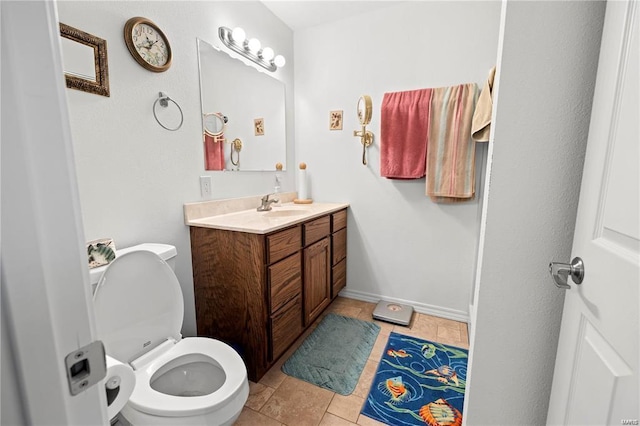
[{"x": 280, "y": 212}]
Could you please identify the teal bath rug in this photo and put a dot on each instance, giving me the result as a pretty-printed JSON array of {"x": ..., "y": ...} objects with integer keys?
[
  {"x": 418, "y": 382},
  {"x": 334, "y": 354}
]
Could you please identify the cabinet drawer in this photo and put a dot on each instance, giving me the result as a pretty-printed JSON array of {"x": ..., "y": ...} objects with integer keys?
[
  {"x": 338, "y": 220},
  {"x": 283, "y": 243},
  {"x": 285, "y": 281},
  {"x": 316, "y": 230},
  {"x": 286, "y": 326},
  {"x": 339, "y": 244},
  {"x": 338, "y": 277}
]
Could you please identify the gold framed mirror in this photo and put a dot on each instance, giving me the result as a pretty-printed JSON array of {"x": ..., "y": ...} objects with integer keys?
[
  {"x": 365, "y": 109},
  {"x": 214, "y": 124},
  {"x": 85, "y": 61}
]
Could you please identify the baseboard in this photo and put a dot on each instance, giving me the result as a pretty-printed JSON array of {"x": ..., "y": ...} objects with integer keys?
[{"x": 423, "y": 308}]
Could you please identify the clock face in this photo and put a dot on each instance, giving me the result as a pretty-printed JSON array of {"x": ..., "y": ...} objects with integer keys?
[
  {"x": 147, "y": 44},
  {"x": 150, "y": 45}
]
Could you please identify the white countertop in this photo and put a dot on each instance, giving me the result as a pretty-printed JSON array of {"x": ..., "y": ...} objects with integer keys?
[{"x": 256, "y": 222}]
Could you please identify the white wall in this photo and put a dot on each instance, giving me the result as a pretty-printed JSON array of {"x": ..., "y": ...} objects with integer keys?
[
  {"x": 400, "y": 244},
  {"x": 133, "y": 175},
  {"x": 545, "y": 87}
]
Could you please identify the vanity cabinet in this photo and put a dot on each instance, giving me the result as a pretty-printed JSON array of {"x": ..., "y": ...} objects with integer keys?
[{"x": 258, "y": 292}]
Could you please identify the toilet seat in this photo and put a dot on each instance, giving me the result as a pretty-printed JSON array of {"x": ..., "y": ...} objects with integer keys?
[
  {"x": 138, "y": 305},
  {"x": 150, "y": 401}
]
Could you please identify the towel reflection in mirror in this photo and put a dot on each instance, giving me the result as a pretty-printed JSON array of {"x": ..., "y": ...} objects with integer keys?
[{"x": 215, "y": 124}]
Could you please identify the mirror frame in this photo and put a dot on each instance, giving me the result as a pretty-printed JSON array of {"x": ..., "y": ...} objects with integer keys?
[
  {"x": 101, "y": 85},
  {"x": 233, "y": 148},
  {"x": 367, "y": 109}
]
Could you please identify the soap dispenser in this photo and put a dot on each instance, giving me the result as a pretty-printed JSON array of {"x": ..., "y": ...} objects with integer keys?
[{"x": 276, "y": 188}]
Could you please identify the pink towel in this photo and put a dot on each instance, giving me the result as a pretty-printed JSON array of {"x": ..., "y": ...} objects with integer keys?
[
  {"x": 451, "y": 154},
  {"x": 403, "y": 134},
  {"x": 214, "y": 152}
]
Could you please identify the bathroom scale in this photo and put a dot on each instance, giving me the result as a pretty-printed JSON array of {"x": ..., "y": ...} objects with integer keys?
[{"x": 393, "y": 312}]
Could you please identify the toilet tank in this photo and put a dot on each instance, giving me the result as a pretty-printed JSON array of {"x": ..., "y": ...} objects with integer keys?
[{"x": 165, "y": 251}]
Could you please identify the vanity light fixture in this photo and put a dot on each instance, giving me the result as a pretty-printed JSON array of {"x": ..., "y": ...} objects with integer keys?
[{"x": 252, "y": 49}]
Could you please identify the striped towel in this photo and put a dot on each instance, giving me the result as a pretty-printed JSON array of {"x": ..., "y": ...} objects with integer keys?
[{"x": 450, "y": 150}]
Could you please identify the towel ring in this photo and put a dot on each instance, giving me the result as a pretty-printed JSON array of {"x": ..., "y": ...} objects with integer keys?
[{"x": 164, "y": 102}]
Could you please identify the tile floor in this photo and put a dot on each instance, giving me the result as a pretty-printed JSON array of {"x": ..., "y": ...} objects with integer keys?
[{"x": 278, "y": 399}]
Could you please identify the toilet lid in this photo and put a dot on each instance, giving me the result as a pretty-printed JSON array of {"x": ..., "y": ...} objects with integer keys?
[{"x": 138, "y": 304}]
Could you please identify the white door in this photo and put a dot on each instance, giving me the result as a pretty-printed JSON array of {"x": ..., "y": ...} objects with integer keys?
[
  {"x": 596, "y": 376},
  {"x": 45, "y": 294}
]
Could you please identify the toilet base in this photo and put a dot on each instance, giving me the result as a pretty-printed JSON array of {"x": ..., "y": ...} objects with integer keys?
[{"x": 224, "y": 416}]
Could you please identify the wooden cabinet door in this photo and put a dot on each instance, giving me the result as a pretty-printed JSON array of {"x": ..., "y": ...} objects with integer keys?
[{"x": 317, "y": 279}]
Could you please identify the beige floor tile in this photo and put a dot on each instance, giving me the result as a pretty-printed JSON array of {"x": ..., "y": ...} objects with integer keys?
[
  {"x": 444, "y": 322},
  {"x": 464, "y": 331},
  {"x": 344, "y": 310},
  {"x": 420, "y": 327},
  {"x": 274, "y": 377},
  {"x": 463, "y": 345},
  {"x": 368, "y": 421},
  {"x": 378, "y": 347},
  {"x": 385, "y": 327},
  {"x": 248, "y": 417},
  {"x": 449, "y": 336},
  {"x": 341, "y": 301},
  {"x": 258, "y": 395},
  {"x": 364, "y": 383},
  {"x": 352, "y": 302},
  {"x": 330, "y": 420},
  {"x": 348, "y": 407},
  {"x": 297, "y": 403}
]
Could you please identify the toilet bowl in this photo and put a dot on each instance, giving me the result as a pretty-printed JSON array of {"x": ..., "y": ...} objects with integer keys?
[{"x": 179, "y": 381}]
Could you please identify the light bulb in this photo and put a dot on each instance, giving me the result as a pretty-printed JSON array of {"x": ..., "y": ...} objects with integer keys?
[
  {"x": 267, "y": 54},
  {"x": 279, "y": 61},
  {"x": 238, "y": 35},
  {"x": 254, "y": 45}
]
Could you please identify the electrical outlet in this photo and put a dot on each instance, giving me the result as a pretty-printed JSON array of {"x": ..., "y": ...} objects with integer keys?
[{"x": 205, "y": 186}]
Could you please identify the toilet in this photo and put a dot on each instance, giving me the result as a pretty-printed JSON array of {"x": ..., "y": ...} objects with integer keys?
[{"x": 179, "y": 381}]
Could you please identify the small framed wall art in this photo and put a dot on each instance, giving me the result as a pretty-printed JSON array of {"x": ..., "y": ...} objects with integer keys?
[
  {"x": 258, "y": 126},
  {"x": 335, "y": 120}
]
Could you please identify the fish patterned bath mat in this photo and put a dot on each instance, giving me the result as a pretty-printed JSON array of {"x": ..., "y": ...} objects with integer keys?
[
  {"x": 418, "y": 382},
  {"x": 334, "y": 354}
]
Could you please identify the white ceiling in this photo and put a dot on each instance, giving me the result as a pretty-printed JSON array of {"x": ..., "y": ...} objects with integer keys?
[{"x": 302, "y": 14}]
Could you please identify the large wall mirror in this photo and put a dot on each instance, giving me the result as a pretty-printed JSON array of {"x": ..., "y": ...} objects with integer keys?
[
  {"x": 84, "y": 58},
  {"x": 243, "y": 113}
]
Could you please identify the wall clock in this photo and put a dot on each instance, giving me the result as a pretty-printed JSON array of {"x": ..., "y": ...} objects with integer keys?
[{"x": 148, "y": 44}]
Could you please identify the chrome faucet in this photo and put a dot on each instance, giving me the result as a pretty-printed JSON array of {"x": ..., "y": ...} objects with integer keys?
[{"x": 266, "y": 203}]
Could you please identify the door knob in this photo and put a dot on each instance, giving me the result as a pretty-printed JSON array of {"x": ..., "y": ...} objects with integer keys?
[{"x": 562, "y": 271}]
